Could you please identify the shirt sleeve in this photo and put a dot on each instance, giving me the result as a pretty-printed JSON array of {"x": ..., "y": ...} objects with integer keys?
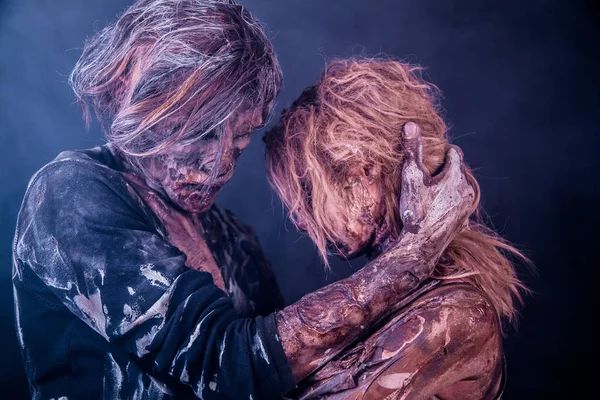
[{"x": 95, "y": 248}]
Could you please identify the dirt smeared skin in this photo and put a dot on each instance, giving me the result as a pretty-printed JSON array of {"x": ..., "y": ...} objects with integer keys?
[
  {"x": 322, "y": 324},
  {"x": 184, "y": 230},
  {"x": 434, "y": 209},
  {"x": 444, "y": 340}
]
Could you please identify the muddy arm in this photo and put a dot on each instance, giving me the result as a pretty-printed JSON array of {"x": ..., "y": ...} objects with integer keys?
[
  {"x": 444, "y": 342},
  {"x": 433, "y": 209},
  {"x": 321, "y": 324}
]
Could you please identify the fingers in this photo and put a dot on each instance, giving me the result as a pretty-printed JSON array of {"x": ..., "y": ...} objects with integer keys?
[
  {"x": 412, "y": 177},
  {"x": 413, "y": 145},
  {"x": 453, "y": 165},
  {"x": 410, "y": 222},
  {"x": 454, "y": 175},
  {"x": 412, "y": 170}
]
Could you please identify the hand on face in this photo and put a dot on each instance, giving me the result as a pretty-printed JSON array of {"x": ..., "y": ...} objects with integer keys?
[{"x": 434, "y": 207}]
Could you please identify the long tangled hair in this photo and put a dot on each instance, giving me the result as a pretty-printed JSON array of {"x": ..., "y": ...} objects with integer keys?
[
  {"x": 353, "y": 117},
  {"x": 171, "y": 71}
]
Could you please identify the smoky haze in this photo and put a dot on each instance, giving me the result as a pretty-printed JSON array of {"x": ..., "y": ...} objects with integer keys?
[{"x": 520, "y": 85}]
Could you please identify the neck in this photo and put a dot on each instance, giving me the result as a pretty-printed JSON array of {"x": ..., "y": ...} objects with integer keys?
[{"x": 136, "y": 168}]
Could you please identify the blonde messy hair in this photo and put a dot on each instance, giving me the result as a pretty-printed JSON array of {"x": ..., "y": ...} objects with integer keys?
[{"x": 352, "y": 118}]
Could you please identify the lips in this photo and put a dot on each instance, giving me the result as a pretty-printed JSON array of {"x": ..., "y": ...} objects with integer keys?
[{"x": 199, "y": 199}]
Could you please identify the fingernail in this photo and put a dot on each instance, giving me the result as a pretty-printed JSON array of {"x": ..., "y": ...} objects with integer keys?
[{"x": 410, "y": 129}]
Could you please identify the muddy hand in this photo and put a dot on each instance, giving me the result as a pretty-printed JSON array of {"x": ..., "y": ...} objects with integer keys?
[{"x": 433, "y": 208}]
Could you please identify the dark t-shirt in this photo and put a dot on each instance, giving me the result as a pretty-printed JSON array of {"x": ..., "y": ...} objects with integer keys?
[{"x": 106, "y": 308}]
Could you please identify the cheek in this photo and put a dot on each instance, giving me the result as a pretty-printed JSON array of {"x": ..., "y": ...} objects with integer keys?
[
  {"x": 155, "y": 172},
  {"x": 359, "y": 227},
  {"x": 360, "y": 223},
  {"x": 344, "y": 224}
]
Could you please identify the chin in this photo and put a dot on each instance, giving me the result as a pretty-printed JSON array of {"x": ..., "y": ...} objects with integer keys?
[
  {"x": 197, "y": 201},
  {"x": 347, "y": 253}
]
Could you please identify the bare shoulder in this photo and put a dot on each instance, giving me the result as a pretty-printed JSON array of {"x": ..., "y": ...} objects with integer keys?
[
  {"x": 444, "y": 340},
  {"x": 464, "y": 324},
  {"x": 468, "y": 310}
]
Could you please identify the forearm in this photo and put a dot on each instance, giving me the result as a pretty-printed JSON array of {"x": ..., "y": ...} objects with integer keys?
[{"x": 322, "y": 323}]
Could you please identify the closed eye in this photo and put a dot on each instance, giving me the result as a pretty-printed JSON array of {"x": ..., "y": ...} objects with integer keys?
[{"x": 210, "y": 135}]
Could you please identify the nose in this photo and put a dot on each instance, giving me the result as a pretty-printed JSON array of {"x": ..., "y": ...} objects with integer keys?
[
  {"x": 234, "y": 149},
  {"x": 229, "y": 160},
  {"x": 299, "y": 222},
  {"x": 242, "y": 142}
]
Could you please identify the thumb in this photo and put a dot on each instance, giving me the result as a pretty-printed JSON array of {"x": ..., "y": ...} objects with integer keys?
[{"x": 412, "y": 145}]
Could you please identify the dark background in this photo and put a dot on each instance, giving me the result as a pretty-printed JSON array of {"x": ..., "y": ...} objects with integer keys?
[{"x": 520, "y": 81}]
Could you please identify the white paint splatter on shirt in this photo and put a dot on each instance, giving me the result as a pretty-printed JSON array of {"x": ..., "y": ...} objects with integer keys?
[
  {"x": 155, "y": 277},
  {"x": 115, "y": 372},
  {"x": 200, "y": 387},
  {"x": 92, "y": 308},
  {"x": 222, "y": 349},
  {"x": 194, "y": 335},
  {"x": 159, "y": 387},
  {"x": 17, "y": 318},
  {"x": 157, "y": 310},
  {"x": 55, "y": 283},
  {"x": 184, "y": 377},
  {"x": 258, "y": 345},
  {"x": 212, "y": 386},
  {"x": 145, "y": 341}
]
